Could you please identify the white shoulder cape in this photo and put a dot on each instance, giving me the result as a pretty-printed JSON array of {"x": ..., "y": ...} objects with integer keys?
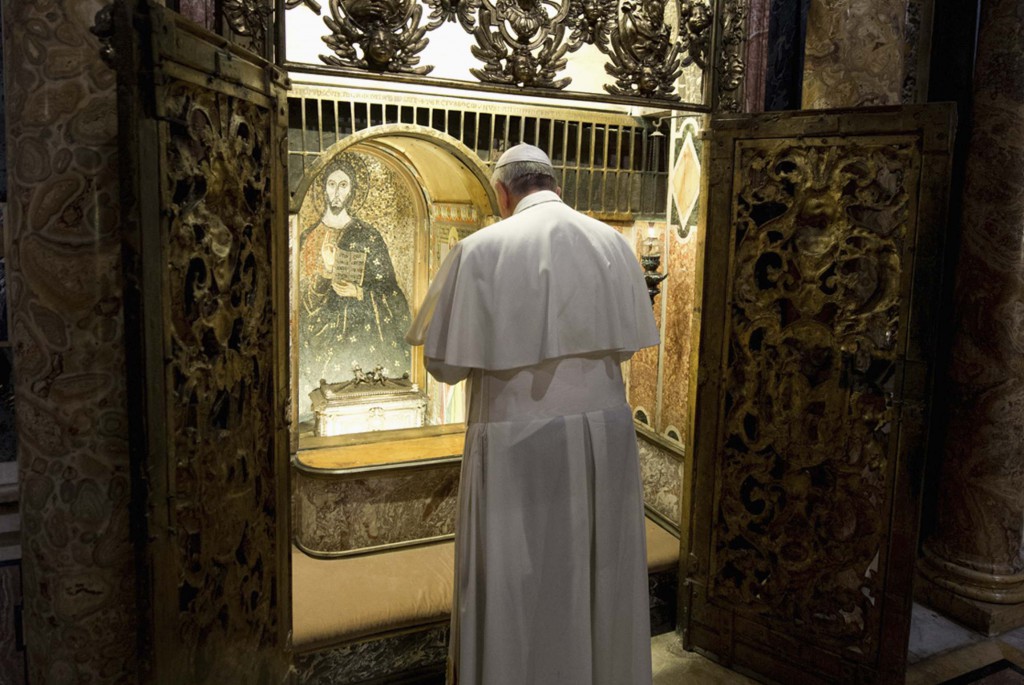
[{"x": 547, "y": 282}]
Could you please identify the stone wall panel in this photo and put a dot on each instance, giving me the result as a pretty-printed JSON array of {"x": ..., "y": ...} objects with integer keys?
[
  {"x": 64, "y": 275},
  {"x": 854, "y": 53}
]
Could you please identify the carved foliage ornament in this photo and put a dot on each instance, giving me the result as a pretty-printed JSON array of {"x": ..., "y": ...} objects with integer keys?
[
  {"x": 508, "y": 35},
  {"x": 730, "y": 64},
  {"x": 524, "y": 42},
  {"x": 695, "y": 19},
  {"x": 220, "y": 370},
  {"x": 644, "y": 59},
  {"x": 819, "y": 230},
  {"x": 250, "y": 19},
  {"x": 591, "y": 22},
  {"x": 387, "y": 32}
]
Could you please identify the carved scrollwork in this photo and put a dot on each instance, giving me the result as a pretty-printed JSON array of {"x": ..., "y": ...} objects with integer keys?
[
  {"x": 387, "y": 32},
  {"x": 449, "y": 10},
  {"x": 730, "y": 65},
  {"x": 220, "y": 370},
  {"x": 250, "y": 19},
  {"x": 509, "y": 33},
  {"x": 591, "y": 22},
  {"x": 644, "y": 60},
  {"x": 806, "y": 468},
  {"x": 695, "y": 21}
]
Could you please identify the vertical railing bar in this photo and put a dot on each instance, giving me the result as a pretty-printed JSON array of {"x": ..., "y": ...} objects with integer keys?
[
  {"x": 302, "y": 107},
  {"x": 320, "y": 122},
  {"x": 579, "y": 149},
  {"x": 604, "y": 171},
  {"x": 565, "y": 150},
  {"x": 644, "y": 180},
  {"x": 551, "y": 134},
  {"x": 590, "y": 179},
  {"x": 614, "y": 171},
  {"x": 633, "y": 147}
]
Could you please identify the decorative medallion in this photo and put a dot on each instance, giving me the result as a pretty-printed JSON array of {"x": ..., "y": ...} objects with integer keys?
[
  {"x": 644, "y": 59},
  {"x": 387, "y": 32}
]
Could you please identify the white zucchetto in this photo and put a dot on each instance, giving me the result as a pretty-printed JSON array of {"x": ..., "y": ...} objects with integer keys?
[{"x": 523, "y": 152}]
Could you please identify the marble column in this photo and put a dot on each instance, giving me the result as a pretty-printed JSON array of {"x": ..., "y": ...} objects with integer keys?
[
  {"x": 973, "y": 564},
  {"x": 64, "y": 275}
]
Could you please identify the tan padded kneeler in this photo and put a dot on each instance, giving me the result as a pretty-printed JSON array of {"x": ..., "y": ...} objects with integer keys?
[{"x": 341, "y": 600}]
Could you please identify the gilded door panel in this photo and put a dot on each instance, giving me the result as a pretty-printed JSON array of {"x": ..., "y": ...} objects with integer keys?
[
  {"x": 810, "y": 407},
  {"x": 206, "y": 267}
]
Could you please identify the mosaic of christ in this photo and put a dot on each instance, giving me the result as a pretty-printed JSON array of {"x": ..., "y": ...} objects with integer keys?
[{"x": 354, "y": 275}]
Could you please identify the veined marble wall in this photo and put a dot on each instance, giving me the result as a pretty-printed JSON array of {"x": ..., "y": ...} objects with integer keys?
[
  {"x": 644, "y": 365},
  {"x": 341, "y": 513},
  {"x": 64, "y": 275},
  {"x": 855, "y": 53},
  {"x": 390, "y": 656},
  {"x": 659, "y": 377},
  {"x": 661, "y": 471}
]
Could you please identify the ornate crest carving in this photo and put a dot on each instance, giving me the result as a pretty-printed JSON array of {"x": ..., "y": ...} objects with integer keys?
[
  {"x": 387, "y": 33},
  {"x": 695, "y": 21},
  {"x": 525, "y": 43},
  {"x": 250, "y": 19},
  {"x": 507, "y": 35},
  {"x": 644, "y": 59},
  {"x": 591, "y": 22},
  {"x": 450, "y": 10}
]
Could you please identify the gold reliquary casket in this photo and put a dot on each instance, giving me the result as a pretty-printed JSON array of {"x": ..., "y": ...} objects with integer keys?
[{"x": 370, "y": 401}]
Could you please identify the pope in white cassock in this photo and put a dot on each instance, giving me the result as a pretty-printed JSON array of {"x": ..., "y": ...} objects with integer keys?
[{"x": 538, "y": 311}]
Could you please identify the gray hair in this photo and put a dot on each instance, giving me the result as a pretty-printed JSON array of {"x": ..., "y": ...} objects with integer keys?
[{"x": 523, "y": 177}]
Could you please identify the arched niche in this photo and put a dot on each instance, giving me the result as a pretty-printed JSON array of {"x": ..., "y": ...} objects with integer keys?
[{"x": 362, "y": 259}]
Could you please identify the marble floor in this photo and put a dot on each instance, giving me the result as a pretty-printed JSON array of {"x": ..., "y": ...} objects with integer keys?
[
  {"x": 939, "y": 650},
  {"x": 672, "y": 664}
]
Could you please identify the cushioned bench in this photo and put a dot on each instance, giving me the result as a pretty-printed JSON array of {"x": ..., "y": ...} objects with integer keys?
[{"x": 335, "y": 601}]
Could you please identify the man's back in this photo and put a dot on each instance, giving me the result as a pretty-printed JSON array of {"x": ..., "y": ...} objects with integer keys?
[
  {"x": 537, "y": 312},
  {"x": 547, "y": 282}
]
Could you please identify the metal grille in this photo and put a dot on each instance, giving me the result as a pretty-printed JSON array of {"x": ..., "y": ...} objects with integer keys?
[{"x": 609, "y": 164}]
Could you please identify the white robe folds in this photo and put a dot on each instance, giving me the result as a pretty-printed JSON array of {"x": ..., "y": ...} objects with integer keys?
[{"x": 551, "y": 574}]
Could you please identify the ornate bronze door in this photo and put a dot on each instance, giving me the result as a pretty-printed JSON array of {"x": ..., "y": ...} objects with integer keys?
[
  {"x": 203, "y": 130},
  {"x": 820, "y": 276}
]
